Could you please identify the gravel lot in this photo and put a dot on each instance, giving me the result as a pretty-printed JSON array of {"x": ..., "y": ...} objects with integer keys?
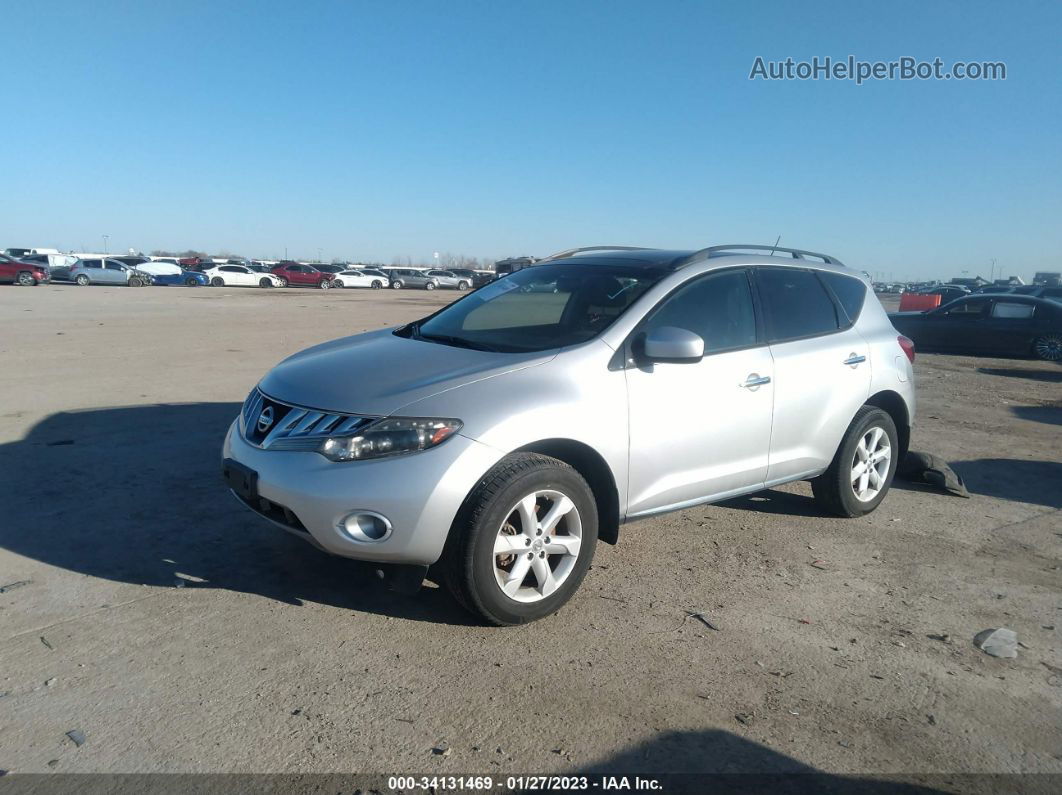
[{"x": 146, "y": 608}]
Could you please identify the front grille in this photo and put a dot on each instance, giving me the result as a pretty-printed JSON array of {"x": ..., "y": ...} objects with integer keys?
[{"x": 272, "y": 425}]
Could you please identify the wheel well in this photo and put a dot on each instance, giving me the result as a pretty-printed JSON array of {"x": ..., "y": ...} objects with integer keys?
[
  {"x": 595, "y": 471},
  {"x": 892, "y": 404}
]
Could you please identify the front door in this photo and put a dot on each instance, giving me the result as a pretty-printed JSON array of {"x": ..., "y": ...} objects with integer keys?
[{"x": 700, "y": 430}]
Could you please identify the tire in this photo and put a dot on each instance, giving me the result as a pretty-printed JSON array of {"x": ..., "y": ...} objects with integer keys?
[
  {"x": 1048, "y": 347},
  {"x": 396, "y": 285},
  {"x": 429, "y": 286},
  {"x": 324, "y": 284},
  {"x": 474, "y": 573},
  {"x": 190, "y": 282},
  {"x": 265, "y": 283},
  {"x": 376, "y": 285},
  {"x": 283, "y": 282},
  {"x": 338, "y": 283},
  {"x": 25, "y": 279},
  {"x": 835, "y": 489},
  {"x": 217, "y": 281},
  {"x": 462, "y": 285},
  {"x": 136, "y": 281},
  {"x": 82, "y": 280}
]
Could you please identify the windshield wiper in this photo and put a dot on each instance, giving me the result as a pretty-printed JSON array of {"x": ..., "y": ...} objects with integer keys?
[{"x": 457, "y": 342}]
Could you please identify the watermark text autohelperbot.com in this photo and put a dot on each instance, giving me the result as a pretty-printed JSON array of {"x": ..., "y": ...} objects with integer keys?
[{"x": 851, "y": 68}]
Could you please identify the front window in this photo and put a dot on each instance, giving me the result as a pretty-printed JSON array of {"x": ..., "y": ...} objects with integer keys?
[{"x": 539, "y": 308}]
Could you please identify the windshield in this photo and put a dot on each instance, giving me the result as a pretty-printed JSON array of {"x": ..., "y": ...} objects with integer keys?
[{"x": 539, "y": 308}]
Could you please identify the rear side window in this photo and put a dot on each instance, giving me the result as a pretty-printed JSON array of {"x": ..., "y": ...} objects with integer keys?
[
  {"x": 796, "y": 304},
  {"x": 849, "y": 292},
  {"x": 1012, "y": 310}
]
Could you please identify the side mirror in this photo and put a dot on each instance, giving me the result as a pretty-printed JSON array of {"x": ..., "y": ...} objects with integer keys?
[{"x": 670, "y": 344}]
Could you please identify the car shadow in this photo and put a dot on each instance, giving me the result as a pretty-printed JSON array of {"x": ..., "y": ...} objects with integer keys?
[
  {"x": 719, "y": 761},
  {"x": 135, "y": 495},
  {"x": 1050, "y": 376},
  {"x": 774, "y": 501},
  {"x": 1051, "y": 415},
  {"x": 1033, "y": 482}
]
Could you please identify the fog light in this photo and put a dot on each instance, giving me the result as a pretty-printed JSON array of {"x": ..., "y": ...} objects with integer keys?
[{"x": 365, "y": 526}]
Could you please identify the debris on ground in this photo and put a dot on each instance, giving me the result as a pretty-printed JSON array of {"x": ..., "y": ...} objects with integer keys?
[
  {"x": 12, "y": 586},
  {"x": 50, "y": 682},
  {"x": 744, "y": 718},
  {"x": 943, "y": 637},
  {"x": 817, "y": 564},
  {"x": 44, "y": 640},
  {"x": 701, "y": 617},
  {"x": 77, "y": 736},
  {"x": 931, "y": 470},
  {"x": 1001, "y": 642},
  {"x": 442, "y": 749}
]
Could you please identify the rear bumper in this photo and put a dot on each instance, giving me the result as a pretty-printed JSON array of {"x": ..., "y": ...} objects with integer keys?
[{"x": 419, "y": 494}]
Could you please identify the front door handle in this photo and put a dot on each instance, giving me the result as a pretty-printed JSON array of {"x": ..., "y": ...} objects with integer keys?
[
  {"x": 755, "y": 381},
  {"x": 854, "y": 359}
]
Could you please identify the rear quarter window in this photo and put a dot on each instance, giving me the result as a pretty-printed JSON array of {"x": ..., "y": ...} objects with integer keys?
[
  {"x": 796, "y": 304},
  {"x": 850, "y": 293}
]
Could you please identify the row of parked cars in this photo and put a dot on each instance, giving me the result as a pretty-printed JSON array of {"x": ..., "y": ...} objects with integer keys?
[{"x": 137, "y": 271}]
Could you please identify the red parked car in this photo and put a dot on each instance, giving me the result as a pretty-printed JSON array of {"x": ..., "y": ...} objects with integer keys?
[
  {"x": 296, "y": 275},
  {"x": 25, "y": 273}
]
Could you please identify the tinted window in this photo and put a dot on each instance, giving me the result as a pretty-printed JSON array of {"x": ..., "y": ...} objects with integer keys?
[
  {"x": 91, "y": 263},
  {"x": 231, "y": 269},
  {"x": 1012, "y": 309},
  {"x": 718, "y": 308},
  {"x": 850, "y": 292},
  {"x": 974, "y": 306},
  {"x": 796, "y": 304}
]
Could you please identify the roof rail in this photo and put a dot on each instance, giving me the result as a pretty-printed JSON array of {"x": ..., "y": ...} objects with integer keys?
[
  {"x": 795, "y": 253},
  {"x": 571, "y": 251}
]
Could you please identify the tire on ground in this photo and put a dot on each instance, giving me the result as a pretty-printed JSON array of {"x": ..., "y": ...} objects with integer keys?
[{"x": 833, "y": 488}]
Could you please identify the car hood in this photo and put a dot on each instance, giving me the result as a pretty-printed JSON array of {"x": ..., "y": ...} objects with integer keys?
[{"x": 378, "y": 373}]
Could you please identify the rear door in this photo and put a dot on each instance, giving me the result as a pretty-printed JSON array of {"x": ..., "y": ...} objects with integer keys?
[
  {"x": 1009, "y": 326},
  {"x": 821, "y": 370},
  {"x": 700, "y": 430}
]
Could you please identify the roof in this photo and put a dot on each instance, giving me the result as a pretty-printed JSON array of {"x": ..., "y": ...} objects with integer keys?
[{"x": 677, "y": 258}]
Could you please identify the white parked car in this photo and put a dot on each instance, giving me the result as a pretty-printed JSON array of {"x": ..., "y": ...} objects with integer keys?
[
  {"x": 354, "y": 278},
  {"x": 239, "y": 276}
]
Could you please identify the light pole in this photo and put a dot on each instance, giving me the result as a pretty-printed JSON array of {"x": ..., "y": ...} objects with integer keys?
[
  {"x": 105, "y": 239},
  {"x": 320, "y": 255}
]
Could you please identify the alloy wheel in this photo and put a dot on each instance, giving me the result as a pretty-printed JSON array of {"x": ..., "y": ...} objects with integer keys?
[
  {"x": 1049, "y": 347},
  {"x": 870, "y": 465},
  {"x": 537, "y": 546}
]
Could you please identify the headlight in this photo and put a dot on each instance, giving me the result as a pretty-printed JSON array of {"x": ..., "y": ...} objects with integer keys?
[{"x": 390, "y": 437}]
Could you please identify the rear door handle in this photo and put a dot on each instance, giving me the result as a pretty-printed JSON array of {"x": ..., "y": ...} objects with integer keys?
[
  {"x": 854, "y": 359},
  {"x": 755, "y": 380}
]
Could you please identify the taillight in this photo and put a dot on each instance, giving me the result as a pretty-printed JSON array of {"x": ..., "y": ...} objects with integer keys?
[{"x": 908, "y": 347}]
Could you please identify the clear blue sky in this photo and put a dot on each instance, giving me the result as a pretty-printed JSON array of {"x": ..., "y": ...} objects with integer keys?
[{"x": 375, "y": 129}]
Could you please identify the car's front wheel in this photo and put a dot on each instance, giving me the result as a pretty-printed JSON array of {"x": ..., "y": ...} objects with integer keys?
[
  {"x": 429, "y": 286},
  {"x": 523, "y": 541},
  {"x": 265, "y": 282},
  {"x": 462, "y": 285},
  {"x": 1048, "y": 347},
  {"x": 190, "y": 282},
  {"x": 376, "y": 285},
  {"x": 324, "y": 284},
  {"x": 283, "y": 282},
  {"x": 861, "y": 472},
  {"x": 338, "y": 283},
  {"x": 136, "y": 281},
  {"x": 25, "y": 278}
]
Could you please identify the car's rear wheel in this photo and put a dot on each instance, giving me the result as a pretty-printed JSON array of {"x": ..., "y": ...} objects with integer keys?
[
  {"x": 82, "y": 280},
  {"x": 324, "y": 284},
  {"x": 396, "y": 285},
  {"x": 376, "y": 285},
  {"x": 25, "y": 278},
  {"x": 523, "y": 540},
  {"x": 217, "y": 281},
  {"x": 429, "y": 286},
  {"x": 861, "y": 472},
  {"x": 1048, "y": 347}
]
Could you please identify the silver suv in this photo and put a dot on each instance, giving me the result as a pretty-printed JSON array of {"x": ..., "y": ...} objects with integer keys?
[{"x": 499, "y": 438}]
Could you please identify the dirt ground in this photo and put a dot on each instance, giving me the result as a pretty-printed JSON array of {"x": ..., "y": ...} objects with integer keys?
[{"x": 143, "y": 606}]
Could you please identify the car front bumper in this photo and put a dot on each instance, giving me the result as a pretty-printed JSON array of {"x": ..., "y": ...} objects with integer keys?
[{"x": 419, "y": 494}]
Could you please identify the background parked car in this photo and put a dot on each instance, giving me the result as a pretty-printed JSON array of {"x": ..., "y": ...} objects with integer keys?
[
  {"x": 450, "y": 279},
  {"x": 411, "y": 277},
  {"x": 1032, "y": 290},
  {"x": 988, "y": 325},
  {"x": 356, "y": 278},
  {"x": 474, "y": 278},
  {"x": 164, "y": 274},
  {"x": 330, "y": 268},
  {"x": 240, "y": 276},
  {"x": 297, "y": 275},
  {"x": 107, "y": 271},
  {"x": 15, "y": 271},
  {"x": 58, "y": 264},
  {"x": 947, "y": 292}
]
